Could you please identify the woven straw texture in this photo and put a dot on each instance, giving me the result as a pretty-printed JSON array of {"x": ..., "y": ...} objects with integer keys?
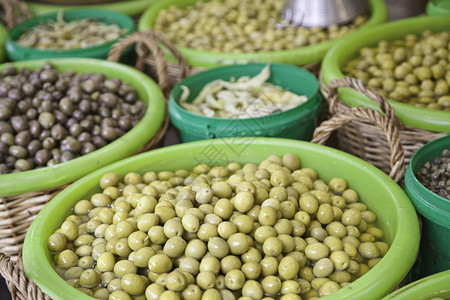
[
  {"x": 371, "y": 139},
  {"x": 13, "y": 12}
]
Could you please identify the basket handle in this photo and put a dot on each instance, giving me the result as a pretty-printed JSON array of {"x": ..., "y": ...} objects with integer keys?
[
  {"x": 372, "y": 94},
  {"x": 17, "y": 281},
  {"x": 150, "y": 41},
  {"x": 14, "y": 11},
  {"x": 385, "y": 122}
]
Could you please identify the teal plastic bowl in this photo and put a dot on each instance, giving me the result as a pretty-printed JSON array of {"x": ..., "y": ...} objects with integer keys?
[
  {"x": 396, "y": 215},
  {"x": 438, "y": 7},
  {"x": 128, "y": 144},
  {"x": 434, "y": 254},
  {"x": 17, "y": 52},
  {"x": 299, "y": 56},
  {"x": 296, "y": 123}
]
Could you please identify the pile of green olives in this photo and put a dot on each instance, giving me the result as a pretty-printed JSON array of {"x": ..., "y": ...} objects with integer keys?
[
  {"x": 49, "y": 117},
  {"x": 268, "y": 231},
  {"x": 414, "y": 70},
  {"x": 235, "y": 26}
]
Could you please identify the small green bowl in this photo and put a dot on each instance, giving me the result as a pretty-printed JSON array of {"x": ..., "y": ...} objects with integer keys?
[
  {"x": 296, "y": 123},
  {"x": 128, "y": 7},
  {"x": 396, "y": 215},
  {"x": 300, "y": 56},
  {"x": 348, "y": 49},
  {"x": 438, "y": 7},
  {"x": 3, "y": 37},
  {"x": 128, "y": 144},
  {"x": 17, "y": 52},
  {"x": 434, "y": 286}
]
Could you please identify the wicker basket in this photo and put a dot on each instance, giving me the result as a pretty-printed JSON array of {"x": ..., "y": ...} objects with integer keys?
[
  {"x": 13, "y": 12},
  {"x": 367, "y": 138}
]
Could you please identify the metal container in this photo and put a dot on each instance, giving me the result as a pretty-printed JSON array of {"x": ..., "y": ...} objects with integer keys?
[{"x": 322, "y": 13}]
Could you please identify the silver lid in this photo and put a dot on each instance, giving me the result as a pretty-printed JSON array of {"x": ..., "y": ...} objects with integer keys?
[{"x": 322, "y": 13}]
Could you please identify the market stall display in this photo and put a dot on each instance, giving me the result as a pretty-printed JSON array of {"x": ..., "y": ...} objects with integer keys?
[
  {"x": 297, "y": 122},
  {"x": 78, "y": 33},
  {"x": 247, "y": 205},
  {"x": 402, "y": 235},
  {"x": 297, "y": 54}
]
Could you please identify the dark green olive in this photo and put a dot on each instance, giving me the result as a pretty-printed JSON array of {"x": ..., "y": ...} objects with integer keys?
[
  {"x": 41, "y": 157},
  {"x": 48, "y": 143},
  {"x": 23, "y": 138},
  {"x": 47, "y": 120},
  {"x": 109, "y": 100},
  {"x": 18, "y": 151},
  {"x": 58, "y": 132},
  {"x": 71, "y": 144},
  {"x": 48, "y": 75},
  {"x": 19, "y": 123},
  {"x": 5, "y": 113},
  {"x": 33, "y": 146}
]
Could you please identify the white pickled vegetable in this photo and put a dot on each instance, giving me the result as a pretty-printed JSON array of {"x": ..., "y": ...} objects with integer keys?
[{"x": 245, "y": 97}]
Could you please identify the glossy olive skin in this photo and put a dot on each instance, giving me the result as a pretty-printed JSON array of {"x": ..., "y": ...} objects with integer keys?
[
  {"x": 412, "y": 70},
  {"x": 50, "y": 117},
  {"x": 150, "y": 235}
]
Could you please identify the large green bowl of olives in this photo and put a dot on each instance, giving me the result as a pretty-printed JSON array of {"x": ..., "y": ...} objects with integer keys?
[
  {"x": 415, "y": 79},
  {"x": 213, "y": 159},
  {"x": 43, "y": 176},
  {"x": 261, "y": 41}
]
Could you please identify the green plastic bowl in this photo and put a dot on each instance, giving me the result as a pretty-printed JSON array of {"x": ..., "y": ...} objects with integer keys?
[
  {"x": 434, "y": 286},
  {"x": 17, "y": 52},
  {"x": 300, "y": 56},
  {"x": 438, "y": 7},
  {"x": 126, "y": 145},
  {"x": 3, "y": 37},
  {"x": 348, "y": 49},
  {"x": 396, "y": 215},
  {"x": 130, "y": 7},
  {"x": 434, "y": 254},
  {"x": 296, "y": 123}
]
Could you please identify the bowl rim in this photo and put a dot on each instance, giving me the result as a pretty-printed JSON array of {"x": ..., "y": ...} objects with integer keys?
[
  {"x": 3, "y": 38},
  {"x": 60, "y": 174},
  {"x": 125, "y": 23},
  {"x": 298, "y": 56},
  {"x": 130, "y": 7},
  {"x": 433, "y": 120},
  {"x": 423, "y": 287},
  {"x": 402, "y": 252}
]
